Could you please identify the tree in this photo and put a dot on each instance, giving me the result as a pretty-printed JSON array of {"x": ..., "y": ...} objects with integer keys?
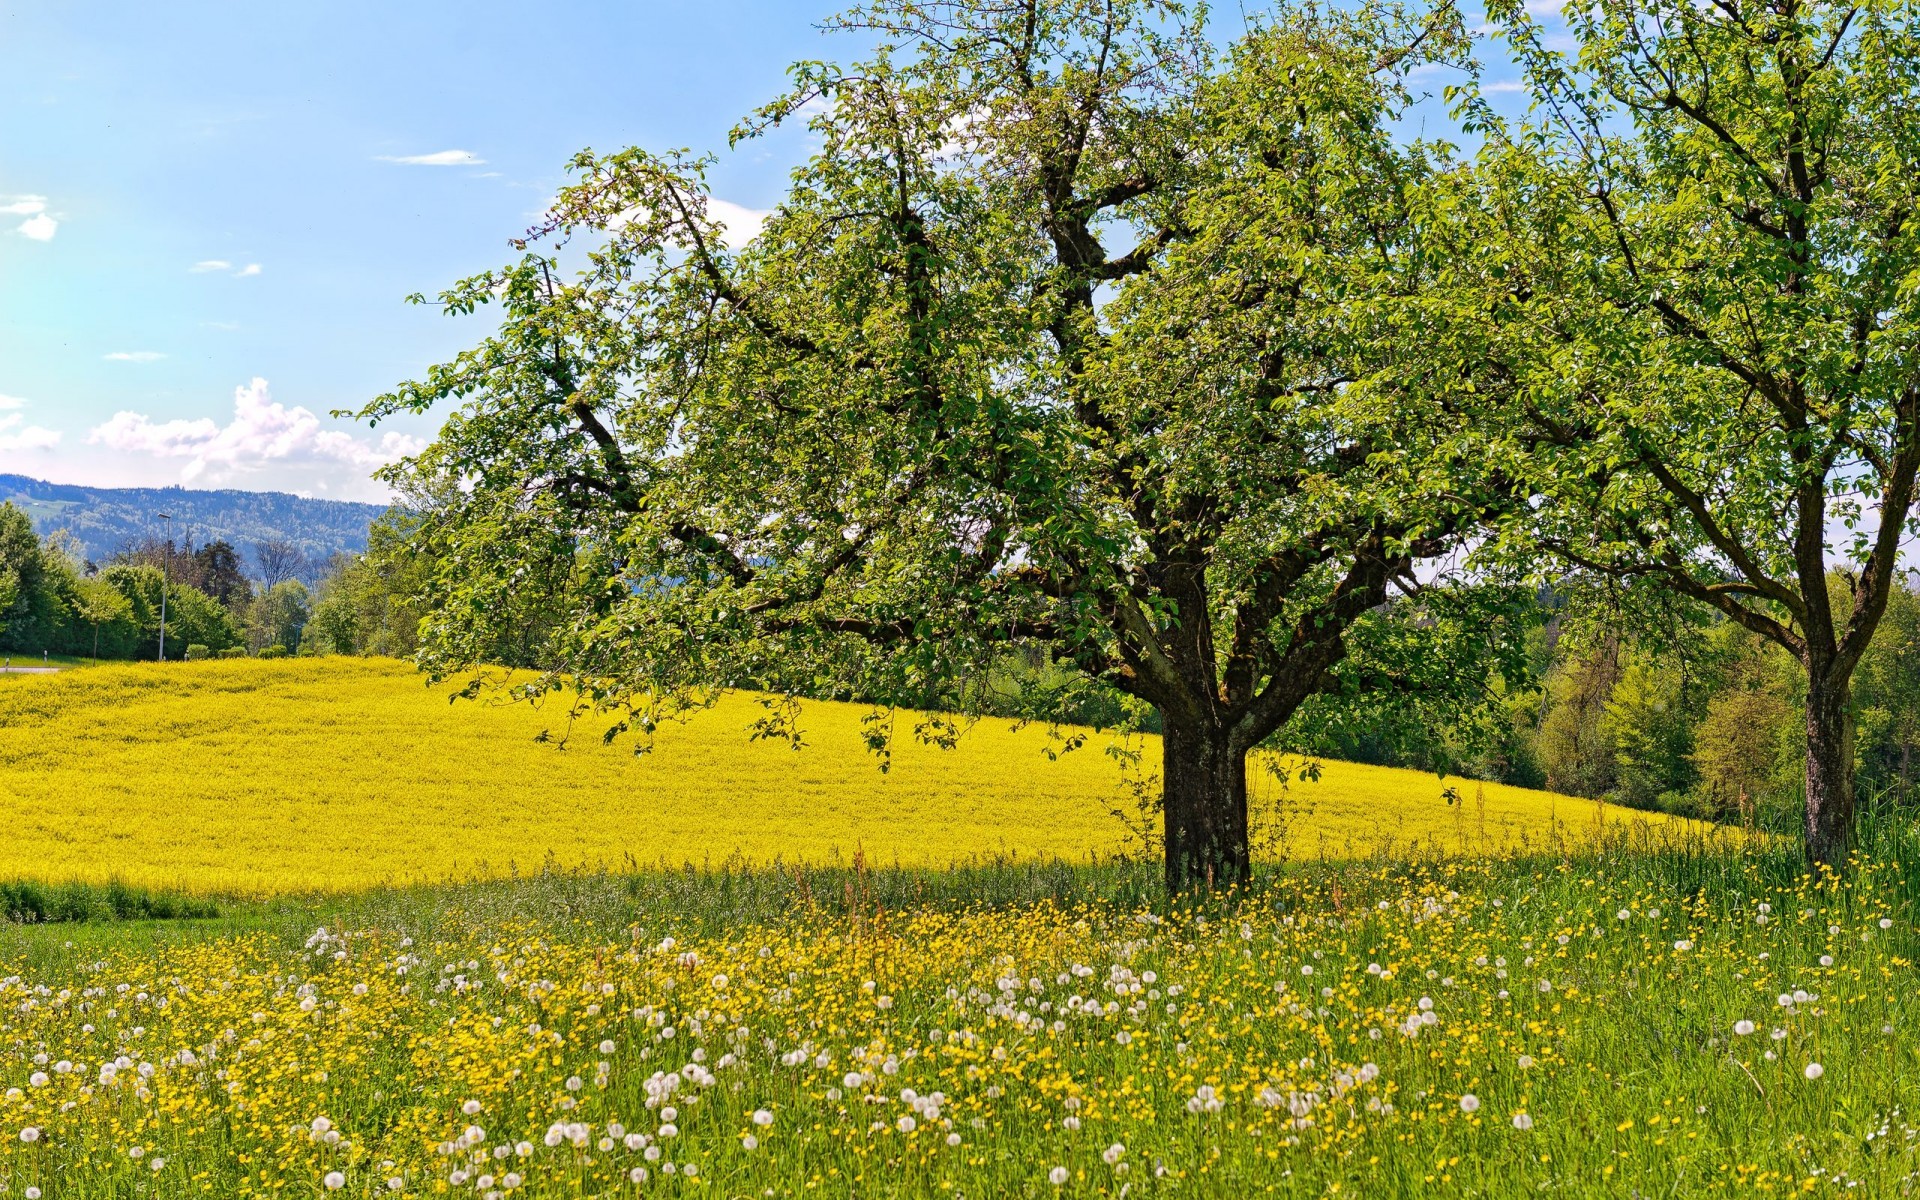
[
  {"x": 98, "y": 603},
  {"x": 1698, "y": 267},
  {"x": 1887, "y": 697},
  {"x": 1576, "y": 742},
  {"x": 279, "y": 560},
  {"x": 1070, "y": 336},
  {"x": 281, "y": 614},
  {"x": 217, "y": 572},
  {"x": 31, "y": 574}
]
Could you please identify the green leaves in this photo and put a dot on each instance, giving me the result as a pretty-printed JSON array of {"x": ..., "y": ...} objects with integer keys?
[{"x": 1074, "y": 335}]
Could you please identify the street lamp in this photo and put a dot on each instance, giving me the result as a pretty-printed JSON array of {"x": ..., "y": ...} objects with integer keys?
[{"x": 166, "y": 575}]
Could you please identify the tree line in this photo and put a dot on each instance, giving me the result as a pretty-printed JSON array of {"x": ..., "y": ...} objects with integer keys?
[{"x": 217, "y": 601}]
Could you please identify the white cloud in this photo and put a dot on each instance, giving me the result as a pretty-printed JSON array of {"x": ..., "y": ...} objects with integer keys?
[
  {"x": 264, "y": 436},
  {"x": 32, "y": 437},
  {"x": 24, "y": 206},
  {"x": 40, "y": 228},
  {"x": 14, "y": 436},
  {"x": 1504, "y": 86},
  {"x": 439, "y": 158},
  {"x": 742, "y": 224},
  {"x": 248, "y": 271},
  {"x": 134, "y": 356}
]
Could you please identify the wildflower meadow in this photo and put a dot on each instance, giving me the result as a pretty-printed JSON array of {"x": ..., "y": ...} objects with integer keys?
[{"x": 1634, "y": 1019}]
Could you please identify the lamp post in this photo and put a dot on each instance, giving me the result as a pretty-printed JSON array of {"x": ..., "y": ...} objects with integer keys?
[{"x": 166, "y": 575}]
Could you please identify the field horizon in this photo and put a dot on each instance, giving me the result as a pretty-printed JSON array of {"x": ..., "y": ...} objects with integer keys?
[{"x": 310, "y": 776}]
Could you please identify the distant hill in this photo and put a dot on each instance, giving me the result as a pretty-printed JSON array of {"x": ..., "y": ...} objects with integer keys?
[{"x": 104, "y": 520}]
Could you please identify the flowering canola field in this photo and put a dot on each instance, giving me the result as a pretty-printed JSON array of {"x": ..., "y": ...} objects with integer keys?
[
  {"x": 1447, "y": 1030},
  {"x": 256, "y": 778}
]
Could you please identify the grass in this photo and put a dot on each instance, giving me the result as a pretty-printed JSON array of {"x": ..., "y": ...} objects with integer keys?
[
  {"x": 248, "y": 778},
  {"x": 1594, "y": 997}
]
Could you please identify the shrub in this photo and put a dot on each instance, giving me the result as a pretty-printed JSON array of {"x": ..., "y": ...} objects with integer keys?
[
  {"x": 197, "y": 653},
  {"x": 231, "y": 652},
  {"x": 274, "y": 651}
]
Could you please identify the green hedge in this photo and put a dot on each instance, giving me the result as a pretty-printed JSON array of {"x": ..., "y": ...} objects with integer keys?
[{"x": 31, "y": 902}]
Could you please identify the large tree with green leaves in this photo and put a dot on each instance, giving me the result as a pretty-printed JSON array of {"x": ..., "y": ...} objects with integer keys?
[
  {"x": 1074, "y": 333},
  {"x": 1702, "y": 252}
]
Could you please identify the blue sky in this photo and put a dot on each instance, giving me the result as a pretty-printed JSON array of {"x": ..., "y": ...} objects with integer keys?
[{"x": 210, "y": 213}]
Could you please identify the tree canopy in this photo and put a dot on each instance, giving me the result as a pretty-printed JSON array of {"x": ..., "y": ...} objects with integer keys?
[
  {"x": 1697, "y": 263},
  {"x": 1076, "y": 332}
]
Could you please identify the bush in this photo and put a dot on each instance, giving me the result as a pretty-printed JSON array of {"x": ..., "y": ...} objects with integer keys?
[
  {"x": 274, "y": 651},
  {"x": 231, "y": 652},
  {"x": 198, "y": 653}
]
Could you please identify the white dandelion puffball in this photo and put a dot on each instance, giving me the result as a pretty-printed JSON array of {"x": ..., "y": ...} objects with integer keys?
[
  {"x": 334, "y": 1181},
  {"x": 33, "y": 1193},
  {"x": 1469, "y": 1103},
  {"x": 1057, "y": 1176},
  {"x": 953, "y": 1139},
  {"x": 1743, "y": 1028},
  {"x": 1814, "y": 1071},
  {"x": 1826, "y": 960},
  {"x": 762, "y": 1116},
  {"x": 749, "y": 1142},
  {"x": 1114, "y": 1153},
  {"x": 1525, "y": 1061},
  {"x": 1522, "y": 1121},
  {"x": 471, "y": 1108},
  {"x": 1683, "y": 945},
  {"x": 29, "y": 1135},
  {"x": 1886, "y": 922}
]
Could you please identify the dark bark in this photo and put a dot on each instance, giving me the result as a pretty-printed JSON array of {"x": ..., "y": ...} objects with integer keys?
[
  {"x": 1204, "y": 777},
  {"x": 1829, "y": 815}
]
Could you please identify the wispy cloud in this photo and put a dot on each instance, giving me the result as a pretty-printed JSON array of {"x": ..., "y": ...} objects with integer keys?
[
  {"x": 23, "y": 206},
  {"x": 1504, "y": 86},
  {"x": 40, "y": 228},
  {"x": 207, "y": 266},
  {"x": 7, "y": 402},
  {"x": 263, "y": 435},
  {"x": 134, "y": 356},
  {"x": 439, "y": 158}
]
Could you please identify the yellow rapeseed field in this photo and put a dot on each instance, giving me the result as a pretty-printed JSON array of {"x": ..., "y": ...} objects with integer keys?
[{"x": 329, "y": 775}]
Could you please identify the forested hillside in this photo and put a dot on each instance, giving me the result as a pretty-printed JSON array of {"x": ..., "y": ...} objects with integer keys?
[{"x": 105, "y": 520}]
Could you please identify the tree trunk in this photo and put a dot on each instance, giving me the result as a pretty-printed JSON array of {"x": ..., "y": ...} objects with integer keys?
[
  {"x": 1829, "y": 772},
  {"x": 1205, "y": 780}
]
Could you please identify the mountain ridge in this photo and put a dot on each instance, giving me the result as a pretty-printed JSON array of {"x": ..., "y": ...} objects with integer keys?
[{"x": 105, "y": 520}]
